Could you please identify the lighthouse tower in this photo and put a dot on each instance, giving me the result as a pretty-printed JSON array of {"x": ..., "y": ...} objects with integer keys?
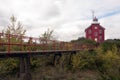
[{"x": 95, "y": 31}]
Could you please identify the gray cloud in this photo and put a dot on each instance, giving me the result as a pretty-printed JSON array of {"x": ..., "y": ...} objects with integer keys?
[{"x": 68, "y": 18}]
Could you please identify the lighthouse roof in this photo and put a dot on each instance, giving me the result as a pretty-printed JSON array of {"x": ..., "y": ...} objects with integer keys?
[{"x": 95, "y": 21}]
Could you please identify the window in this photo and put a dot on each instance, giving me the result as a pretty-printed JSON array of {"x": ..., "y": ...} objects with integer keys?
[
  {"x": 89, "y": 31},
  {"x": 95, "y": 27},
  {"x": 95, "y": 34},
  {"x": 89, "y": 37},
  {"x": 100, "y": 38},
  {"x": 100, "y": 31}
]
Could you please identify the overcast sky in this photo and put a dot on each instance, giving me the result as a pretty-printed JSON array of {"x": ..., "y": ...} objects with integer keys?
[{"x": 68, "y": 18}]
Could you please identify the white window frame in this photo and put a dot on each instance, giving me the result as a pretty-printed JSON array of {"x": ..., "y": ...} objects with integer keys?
[
  {"x": 89, "y": 31},
  {"x": 100, "y": 31},
  {"x": 96, "y": 34},
  {"x": 100, "y": 37}
]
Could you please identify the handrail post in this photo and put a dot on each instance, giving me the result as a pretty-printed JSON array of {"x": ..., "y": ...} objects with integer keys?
[
  {"x": 21, "y": 42},
  {"x": 9, "y": 43}
]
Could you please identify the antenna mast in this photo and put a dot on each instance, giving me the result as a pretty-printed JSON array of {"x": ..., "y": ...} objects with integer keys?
[{"x": 93, "y": 14}]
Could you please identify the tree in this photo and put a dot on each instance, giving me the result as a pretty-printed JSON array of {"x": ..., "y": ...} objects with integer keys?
[
  {"x": 46, "y": 36},
  {"x": 46, "y": 39},
  {"x": 108, "y": 62},
  {"x": 82, "y": 40},
  {"x": 15, "y": 27},
  {"x": 83, "y": 60}
]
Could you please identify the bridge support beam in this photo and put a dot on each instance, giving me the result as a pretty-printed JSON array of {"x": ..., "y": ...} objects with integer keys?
[
  {"x": 56, "y": 59},
  {"x": 25, "y": 68},
  {"x": 70, "y": 58},
  {"x": 61, "y": 60}
]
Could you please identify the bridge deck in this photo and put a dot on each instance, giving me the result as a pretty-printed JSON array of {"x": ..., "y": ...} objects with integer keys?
[{"x": 32, "y": 53}]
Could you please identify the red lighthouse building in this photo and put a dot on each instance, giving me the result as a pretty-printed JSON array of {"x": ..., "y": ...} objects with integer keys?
[{"x": 95, "y": 31}]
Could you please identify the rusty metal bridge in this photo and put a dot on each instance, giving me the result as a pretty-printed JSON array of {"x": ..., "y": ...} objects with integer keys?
[{"x": 25, "y": 47}]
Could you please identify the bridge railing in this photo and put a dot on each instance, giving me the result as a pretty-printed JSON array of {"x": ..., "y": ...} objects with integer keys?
[{"x": 11, "y": 42}]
